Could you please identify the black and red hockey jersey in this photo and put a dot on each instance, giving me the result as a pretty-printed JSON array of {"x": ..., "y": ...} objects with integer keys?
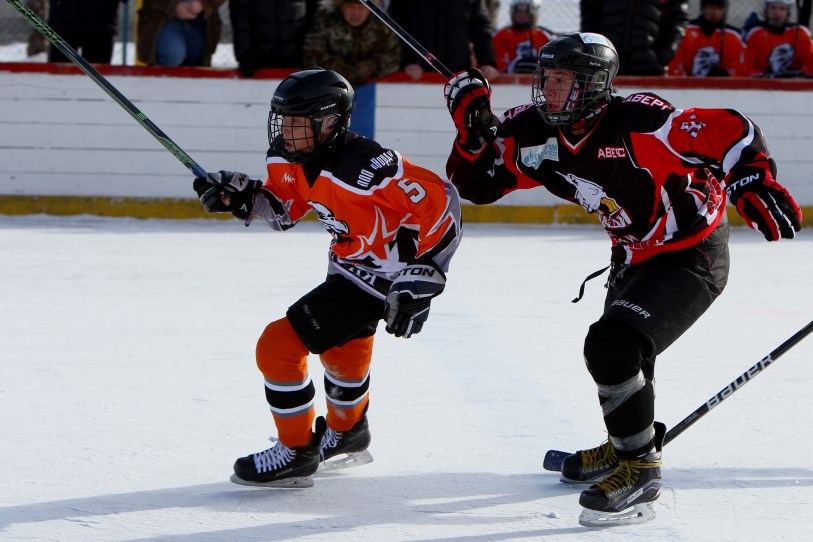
[
  {"x": 653, "y": 174},
  {"x": 382, "y": 211}
]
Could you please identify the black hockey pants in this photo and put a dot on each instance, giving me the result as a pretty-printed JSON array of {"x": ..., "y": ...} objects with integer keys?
[{"x": 648, "y": 306}]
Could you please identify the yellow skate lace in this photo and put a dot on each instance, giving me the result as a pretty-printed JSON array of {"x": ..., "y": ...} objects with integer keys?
[
  {"x": 598, "y": 457},
  {"x": 625, "y": 475}
]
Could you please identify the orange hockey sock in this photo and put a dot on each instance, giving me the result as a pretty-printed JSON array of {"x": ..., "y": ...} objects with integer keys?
[
  {"x": 283, "y": 361},
  {"x": 347, "y": 382}
]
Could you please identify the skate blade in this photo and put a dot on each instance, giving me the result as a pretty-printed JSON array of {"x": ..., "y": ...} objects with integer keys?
[
  {"x": 285, "y": 483},
  {"x": 349, "y": 460},
  {"x": 633, "y": 515}
]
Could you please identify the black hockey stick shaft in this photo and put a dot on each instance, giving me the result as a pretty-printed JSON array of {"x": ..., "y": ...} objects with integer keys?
[
  {"x": 553, "y": 458},
  {"x": 736, "y": 384},
  {"x": 117, "y": 96},
  {"x": 409, "y": 40}
]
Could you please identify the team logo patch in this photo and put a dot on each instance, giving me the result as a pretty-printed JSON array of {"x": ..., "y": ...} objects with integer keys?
[
  {"x": 332, "y": 224},
  {"x": 594, "y": 199},
  {"x": 693, "y": 127},
  {"x": 532, "y": 157}
]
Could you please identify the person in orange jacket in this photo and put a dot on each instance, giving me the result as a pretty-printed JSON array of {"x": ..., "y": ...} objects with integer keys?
[
  {"x": 711, "y": 47},
  {"x": 517, "y": 44},
  {"x": 775, "y": 47}
]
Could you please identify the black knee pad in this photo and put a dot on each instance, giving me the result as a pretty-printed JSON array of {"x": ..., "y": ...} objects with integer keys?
[{"x": 614, "y": 351}]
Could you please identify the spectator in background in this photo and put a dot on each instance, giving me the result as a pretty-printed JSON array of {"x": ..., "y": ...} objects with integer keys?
[
  {"x": 646, "y": 33},
  {"x": 178, "y": 32},
  {"x": 711, "y": 47},
  {"x": 269, "y": 33},
  {"x": 516, "y": 45},
  {"x": 775, "y": 47},
  {"x": 347, "y": 38},
  {"x": 445, "y": 28},
  {"x": 86, "y": 25}
]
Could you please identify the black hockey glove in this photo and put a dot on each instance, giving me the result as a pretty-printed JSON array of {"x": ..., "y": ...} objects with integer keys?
[
  {"x": 468, "y": 98},
  {"x": 407, "y": 306},
  {"x": 765, "y": 204},
  {"x": 227, "y": 192}
]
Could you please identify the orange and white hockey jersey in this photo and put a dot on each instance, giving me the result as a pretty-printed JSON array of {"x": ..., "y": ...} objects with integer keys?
[
  {"x": 512, "y": 46},
  {"x": 382, "y": 211},
  {"x": 777, "y": 54},
  {"x": 699, "y": 54}
]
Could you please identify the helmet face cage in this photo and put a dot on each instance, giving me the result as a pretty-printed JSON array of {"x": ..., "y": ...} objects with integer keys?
[
  {"x": 584, "y": 93},
  {"x": 317, "y": 95},
  {"x": 577, "y": 70},
  {"x": 307, "y": 144}
]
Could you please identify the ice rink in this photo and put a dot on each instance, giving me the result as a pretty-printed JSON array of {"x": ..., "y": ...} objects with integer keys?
[{"x": 128, "y": 387}]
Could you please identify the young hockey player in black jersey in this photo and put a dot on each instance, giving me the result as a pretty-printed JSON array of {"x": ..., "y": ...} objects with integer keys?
[
  {"x": 394, "y": 228},
  {"x": 657, "y": 179}
]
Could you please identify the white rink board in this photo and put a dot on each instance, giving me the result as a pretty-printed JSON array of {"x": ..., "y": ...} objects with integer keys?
[{"x": 62, "y": 135}]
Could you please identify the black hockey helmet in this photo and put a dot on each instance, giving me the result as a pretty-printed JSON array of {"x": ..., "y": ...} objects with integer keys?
[
  {"x": 593, "y": 60},
  {"x": 316, "y": 94}
]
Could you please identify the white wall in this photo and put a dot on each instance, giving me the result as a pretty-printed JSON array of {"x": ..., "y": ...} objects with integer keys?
[{"x": 62, "y": 135}]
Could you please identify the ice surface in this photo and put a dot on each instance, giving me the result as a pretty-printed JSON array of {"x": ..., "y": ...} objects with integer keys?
[{"x": 128, "y": 387}]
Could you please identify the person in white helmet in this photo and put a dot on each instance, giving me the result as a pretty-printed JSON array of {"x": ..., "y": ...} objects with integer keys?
[{"x": 777, "y": 47}]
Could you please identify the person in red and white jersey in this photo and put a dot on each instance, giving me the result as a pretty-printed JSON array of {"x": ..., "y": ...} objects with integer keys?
[
  {"x": 775, "y": 47},
  {"x": 710, "y": 47},
  {"x": 517, "y": 44},
  {"x": 657, "y": 178},
  {"x": 394, "y": 229}
]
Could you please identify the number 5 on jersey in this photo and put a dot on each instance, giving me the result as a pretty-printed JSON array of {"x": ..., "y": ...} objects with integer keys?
[{"x": 413, "y": 189}]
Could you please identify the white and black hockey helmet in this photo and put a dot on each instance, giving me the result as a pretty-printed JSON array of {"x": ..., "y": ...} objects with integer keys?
[
  {"x": 594, "y": 62},
  {"x": 316, "y": 94},
  {"x": 532, "y": 6}
]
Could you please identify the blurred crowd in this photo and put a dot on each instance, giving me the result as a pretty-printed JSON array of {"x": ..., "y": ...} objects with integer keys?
[{"x": 655, "y": 38}]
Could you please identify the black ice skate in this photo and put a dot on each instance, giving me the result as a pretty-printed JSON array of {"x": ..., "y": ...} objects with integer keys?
[
  {"x": 279, "y": 466},
  {"x": 589, "y": 466},
  {"x": 627, "y": 495},
  {"x": 351, "y": 444}
]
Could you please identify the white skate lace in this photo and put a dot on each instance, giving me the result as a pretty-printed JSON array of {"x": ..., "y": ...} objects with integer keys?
[
  {"x": 329, "y": 440},
  {"x": 273, "y": 458}
]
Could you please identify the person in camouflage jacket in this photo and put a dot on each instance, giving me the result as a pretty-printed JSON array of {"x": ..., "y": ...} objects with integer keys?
[{"x": 347, "y": 38}]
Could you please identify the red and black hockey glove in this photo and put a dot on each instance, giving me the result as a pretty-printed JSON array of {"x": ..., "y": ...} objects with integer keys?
[
  {"x": 765, "y": 204},
  {"x": 227, "y": 192},
  {"x": 407, "y": 306},
  {"x": 468, "y": 98}
]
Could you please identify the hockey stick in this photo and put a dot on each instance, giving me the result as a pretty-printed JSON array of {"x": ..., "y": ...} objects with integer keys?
[
  {"x": 409, "y": 40},
  {"x": 117, "y": 96},
  {"x": 553, "y": 458}
]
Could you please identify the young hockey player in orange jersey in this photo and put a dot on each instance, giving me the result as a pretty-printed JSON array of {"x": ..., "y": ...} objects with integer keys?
[
  {"x": 516, "y": 45},
  {"x": 710, "y": 46},
  {"x": 775, "y": 47},
  {"x": 395, "y": 227}
]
